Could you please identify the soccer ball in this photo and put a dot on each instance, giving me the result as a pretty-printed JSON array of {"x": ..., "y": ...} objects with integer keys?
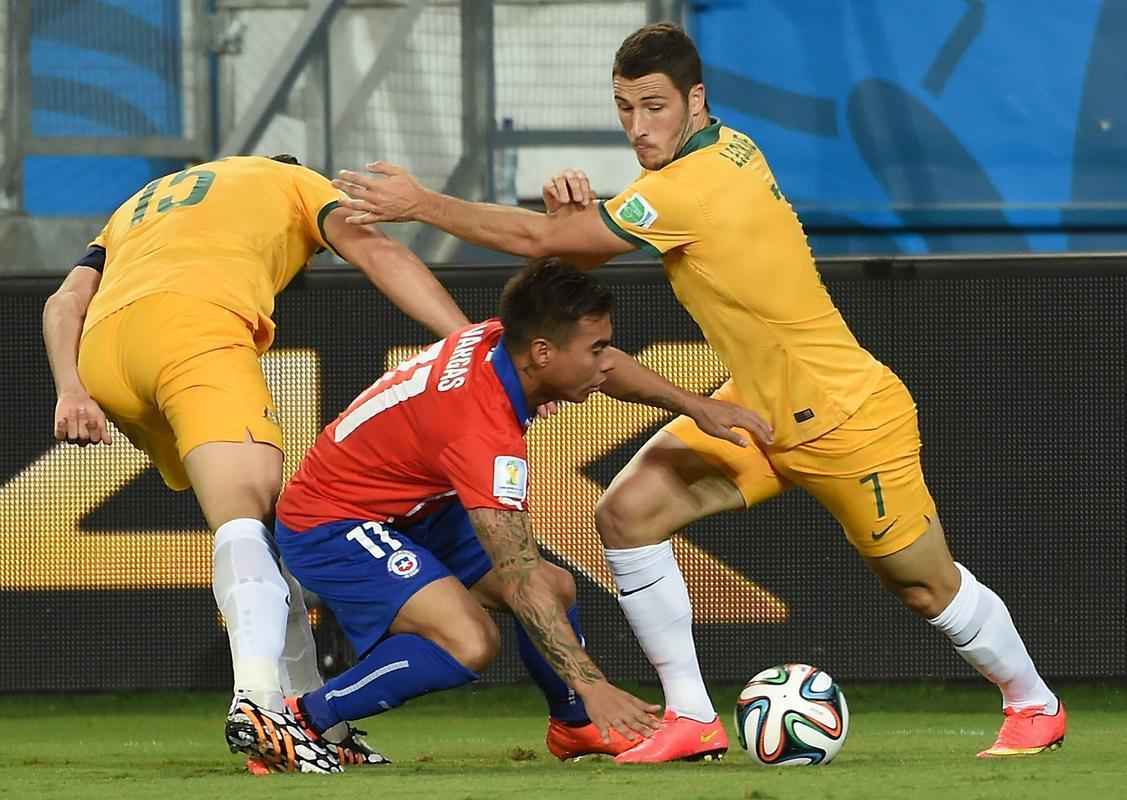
[{"x": 792, "y": 714}]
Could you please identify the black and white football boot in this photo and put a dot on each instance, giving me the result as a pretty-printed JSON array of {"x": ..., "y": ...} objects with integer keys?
[{"x": 277, "y": 740}]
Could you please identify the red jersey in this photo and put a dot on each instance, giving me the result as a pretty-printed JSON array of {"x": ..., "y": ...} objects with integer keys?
[{"x": 448, "y": 422}]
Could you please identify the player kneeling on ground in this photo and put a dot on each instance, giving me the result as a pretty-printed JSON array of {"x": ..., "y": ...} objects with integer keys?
[{"x": 409, "y": 517}]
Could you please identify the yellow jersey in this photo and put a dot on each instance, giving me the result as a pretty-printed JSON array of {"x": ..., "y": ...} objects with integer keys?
[
  {"x": 233, "y": 232},
  {"x": 737, "y": 258}
]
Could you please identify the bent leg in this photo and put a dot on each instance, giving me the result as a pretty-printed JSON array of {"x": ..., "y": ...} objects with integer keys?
[
  {"x": 923, "y": 575},
  {"x": 867, "y": 472},
  {"x": 236, "y": 484},
  {"x": 563, "y": 703},
  {"x": 441, "y": 639},
  {"x": 414, "y": 626},
  {"x": 450, "y": 535},
  {"x": 210, "y": 389},
  {"x": 445, "y": 613},
  {"x": 666, "y": 486},
  {"x": 679, "y": 476},
  {"x": 973, "y": 617}
]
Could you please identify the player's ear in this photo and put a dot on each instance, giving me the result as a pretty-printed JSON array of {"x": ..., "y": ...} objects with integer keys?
[
  {"x": 541, "y": 351},
  {"x": 697, "y": 102}
]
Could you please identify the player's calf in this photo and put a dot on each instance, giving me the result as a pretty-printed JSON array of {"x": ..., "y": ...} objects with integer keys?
[{"x": 400, "y": 667}]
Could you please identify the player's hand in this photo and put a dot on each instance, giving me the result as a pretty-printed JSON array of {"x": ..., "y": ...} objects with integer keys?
[
  {"x": 389, "y": 194},
  {"x": 610, "y": 707},
  {"x": 79, "y": 420},
  {"x": 546, "y": 410},
  {"x": 723, "y": 420},
  {"x": 570, "y": 187}
]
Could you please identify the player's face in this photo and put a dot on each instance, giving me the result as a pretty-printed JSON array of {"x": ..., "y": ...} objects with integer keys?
[
  {"x": 579, "y": 366},
  {"x": 655, "y": 115}
]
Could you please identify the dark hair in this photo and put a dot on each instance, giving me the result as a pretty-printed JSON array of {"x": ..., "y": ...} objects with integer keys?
[
  {"x": 286, "y": 158},
  {"x": 547, "y": 298},
  {"x": 661, "y": 47}
]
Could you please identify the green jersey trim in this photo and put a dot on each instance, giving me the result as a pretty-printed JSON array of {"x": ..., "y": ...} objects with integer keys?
[
  {"x": 701, "y": 139},
  {"x": 625, "y": 235},
  {"x": 324, "y": 212}
]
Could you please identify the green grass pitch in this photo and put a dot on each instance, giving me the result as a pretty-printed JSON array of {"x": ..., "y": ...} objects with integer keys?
[{"x": 487, "y": 744}]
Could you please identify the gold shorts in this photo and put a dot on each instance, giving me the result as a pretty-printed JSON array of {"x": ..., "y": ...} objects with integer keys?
[
  {"x": 174, "y": 372},
  {"x": 866, "y": 471}
]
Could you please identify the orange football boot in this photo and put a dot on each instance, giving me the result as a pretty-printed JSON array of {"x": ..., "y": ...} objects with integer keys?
[
  {"x": 679, "y": 739},
  {"x": 572, "y": 741},
  {"x": 1027, "y": 731},
  {"x": 257, "y": 767}
]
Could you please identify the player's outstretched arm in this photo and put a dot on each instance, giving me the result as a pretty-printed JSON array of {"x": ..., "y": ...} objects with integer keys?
[
  {"x": 634, "y": 382},
  {"x": 392, "y": 194},
  {"x": 78, "y": 419},
  {"x": 396, "y": 271},
  {"x": 507, "y": 537}
]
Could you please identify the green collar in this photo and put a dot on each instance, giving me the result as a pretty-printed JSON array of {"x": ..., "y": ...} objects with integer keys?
[{"x": 701, "y": 139}]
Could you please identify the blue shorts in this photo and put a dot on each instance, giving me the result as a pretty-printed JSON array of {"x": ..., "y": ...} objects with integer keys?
[{"x": 365, "y": 571}]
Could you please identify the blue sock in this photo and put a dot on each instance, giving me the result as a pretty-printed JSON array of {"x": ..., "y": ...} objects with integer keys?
[
  {"x": 395, "y": 670},
  {"x": 563, "y": 703}
]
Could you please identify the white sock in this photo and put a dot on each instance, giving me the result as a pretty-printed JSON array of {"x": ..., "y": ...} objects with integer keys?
[
  {"x": 979, "y": 625},
  {"x": 298, "y": 668},
  {"x": 653, "y": 596},
  {"x": 253, "y": 598}
]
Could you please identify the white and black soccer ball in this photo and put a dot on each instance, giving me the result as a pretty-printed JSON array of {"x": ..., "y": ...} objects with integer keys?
[{"x": 792, "y": 714}]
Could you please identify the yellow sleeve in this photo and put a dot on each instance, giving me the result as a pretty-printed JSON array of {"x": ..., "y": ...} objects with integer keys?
[
  {"x": 316, "y": 197},
  {"x": 95, "y": 256},
  {"x": 100, "y": 239},
  {"x": 653, "y": 214}
]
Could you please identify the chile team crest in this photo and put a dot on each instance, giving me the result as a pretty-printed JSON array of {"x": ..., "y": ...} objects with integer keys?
[{"x": 403, "y": 564}]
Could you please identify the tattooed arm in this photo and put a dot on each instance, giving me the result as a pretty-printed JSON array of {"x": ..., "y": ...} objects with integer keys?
[
  {"x": 633, "y": 382},
  {"x": 507, "y": 538}
]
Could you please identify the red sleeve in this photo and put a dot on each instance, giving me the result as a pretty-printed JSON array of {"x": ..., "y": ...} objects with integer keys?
[{"x": 488, "y": 471}]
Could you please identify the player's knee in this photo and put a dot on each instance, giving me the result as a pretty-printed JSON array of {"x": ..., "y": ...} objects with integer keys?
[
  {"x": 265, "y": 488},
  {"x": 253, "y": 496},
  {"x": 620, "y": 519},
  {"x": 922, "y": 600},
  {"x": 476, "y": 644},
  {"x": 260, "y": 492}
]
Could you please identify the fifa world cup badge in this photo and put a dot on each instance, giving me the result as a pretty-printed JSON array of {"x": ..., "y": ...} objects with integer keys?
[{"x": 510, "y": 478}]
